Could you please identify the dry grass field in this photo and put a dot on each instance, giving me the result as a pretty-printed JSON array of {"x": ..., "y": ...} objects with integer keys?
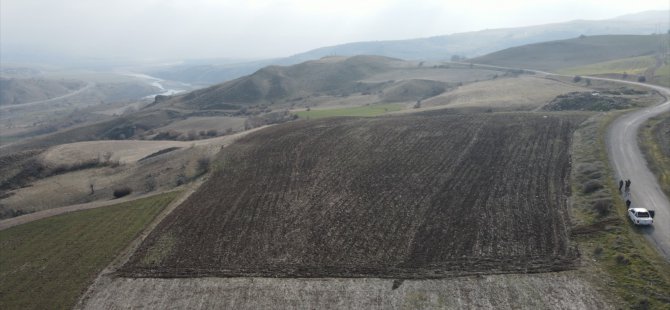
[
  {"x": 564, "y": 290},
  {"x": 447, "y": 75},
  {"x": 220, "y": 124},
  {"x": 520, "y": 93},
  {"x": 139, "y": 169},
  {"x": 355, "y": 198}
]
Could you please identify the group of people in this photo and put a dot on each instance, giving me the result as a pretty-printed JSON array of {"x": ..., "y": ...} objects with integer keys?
[{"x": 627, "y": 190}]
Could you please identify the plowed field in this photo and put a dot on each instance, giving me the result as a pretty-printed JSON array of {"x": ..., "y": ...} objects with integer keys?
[{"x": 419, "y": 196}]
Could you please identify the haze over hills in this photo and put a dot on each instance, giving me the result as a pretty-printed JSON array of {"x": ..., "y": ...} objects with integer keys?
[
  {"x": 330, "y": 75},
  {"x": 467, "y": 44}
]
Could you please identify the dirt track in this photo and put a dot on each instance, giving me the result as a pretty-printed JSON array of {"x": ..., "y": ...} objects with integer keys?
[
  {"x": 26, "y": 218},
  {"x": 565, "y": 290}
]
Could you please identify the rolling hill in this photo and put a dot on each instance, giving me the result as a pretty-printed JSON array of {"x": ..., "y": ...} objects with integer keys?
[
  {"x": 576, "y": 52},
  {"x": 18, "y": 91},
  {"x": 331, "y": 76},
  {"x": 469, "y": 44}
]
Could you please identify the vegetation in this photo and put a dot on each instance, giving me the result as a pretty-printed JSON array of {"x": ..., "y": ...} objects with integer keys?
[
  {"x": 369, "y": 110},
  {"x": 631, "y": 65},
  {"x": 655, "y": 144},
  {"x": 122, "y": 191},
  {"x": 49, "y": 263},
  {"x": 621, "y": 262},
  {"x": 557, "y": 55},
  {"x": 588, "y": 101},
  {"x": 353, "y": 197}
]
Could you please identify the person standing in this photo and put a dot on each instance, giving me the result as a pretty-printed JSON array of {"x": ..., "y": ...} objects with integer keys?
[{"x": 620, "y": 185}]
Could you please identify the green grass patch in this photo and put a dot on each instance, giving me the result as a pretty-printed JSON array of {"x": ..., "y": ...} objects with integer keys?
[
  {"x": 368, "y": 110},
  {"x": 49, "y": 263},
  {"x": 655, "y": 145},
  {"x": 633, "y": 65},
  {"x": 662, "y": 74},
  {"x": 617, "y": 257}
]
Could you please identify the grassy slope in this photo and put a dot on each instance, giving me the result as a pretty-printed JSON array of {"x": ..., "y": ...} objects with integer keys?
[
  {"x": 47, "y": 264},
  {"x": 655, "y": 144},
  {"x": 615, "y": 252},
  {"x": 370, "y": 110},
  {"x": 662, "y": 74},
  {"x": 576, "y": 52},
  {"x": 632, "y": 65}
]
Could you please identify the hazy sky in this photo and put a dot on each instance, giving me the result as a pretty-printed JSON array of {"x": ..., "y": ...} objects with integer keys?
[{"x": 153, "y": 29}]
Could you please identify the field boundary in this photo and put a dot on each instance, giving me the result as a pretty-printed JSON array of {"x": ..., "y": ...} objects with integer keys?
[
  {"x": 106, "y": 275},
  {"x": 30, "y": 217}
]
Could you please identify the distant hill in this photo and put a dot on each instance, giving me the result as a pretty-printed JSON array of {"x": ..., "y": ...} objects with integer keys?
[
  {"x": 468, "y": 44},
  {"x": 18, "y": 91},
  {"x": 577, "y": 52},
  {"x": 327, "y": 76}
]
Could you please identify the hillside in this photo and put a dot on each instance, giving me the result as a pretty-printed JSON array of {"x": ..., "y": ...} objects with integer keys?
[
  {"x": 468, "y": 44},
  {"x": 18, "y": 91},
  {"x": 576, "y": 52},
  {"x": 331, "y": 76}
]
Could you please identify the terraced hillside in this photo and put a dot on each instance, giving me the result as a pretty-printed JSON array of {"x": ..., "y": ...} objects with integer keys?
[{"x": 418, "y": 196}]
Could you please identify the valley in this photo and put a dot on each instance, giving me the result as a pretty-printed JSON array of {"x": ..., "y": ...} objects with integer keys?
[{"x": 344, "y": 181}]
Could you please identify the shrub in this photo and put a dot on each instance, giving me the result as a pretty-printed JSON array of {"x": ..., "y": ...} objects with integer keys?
[
  {"x": 642, "y": 79},
  {"x": 598, "y": 250},
  {"x": 577, "y": 78},
  {"x": 122, "y": 191},
  {"x": 591, "y": 186},
  {"x": 203, "y": 165},
  {"x": 622, "y": 260},
  {"x": 602, "y": 207}
]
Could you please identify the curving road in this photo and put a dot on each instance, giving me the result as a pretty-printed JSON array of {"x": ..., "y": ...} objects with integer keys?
[
  {"x": 628, "y": 162},
  {"x": 29, "y": 104}
]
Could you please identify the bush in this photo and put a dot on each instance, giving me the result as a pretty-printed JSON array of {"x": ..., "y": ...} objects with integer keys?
[
  {"x": 577, "y": 78},
  {"x": 203, "y": 165},
  {"x": 642, "y": 79},
  {"x": 602, "y": 207},
  {"x": 622, "y": 260},
  {"x": 122, "y": 191},
  {"x": 591, "y": 186},
  {"x": 598, "y": 251}
]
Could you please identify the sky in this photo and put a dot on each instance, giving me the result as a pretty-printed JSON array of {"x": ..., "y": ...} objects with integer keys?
[{"x": 254, "y": 29}]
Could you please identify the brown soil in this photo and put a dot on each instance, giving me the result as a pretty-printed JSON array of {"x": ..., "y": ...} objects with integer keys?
[{"x": 421, "y": 196}]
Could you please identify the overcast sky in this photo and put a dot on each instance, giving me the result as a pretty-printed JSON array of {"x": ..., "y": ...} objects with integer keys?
[{"x": 173, "y": 29}]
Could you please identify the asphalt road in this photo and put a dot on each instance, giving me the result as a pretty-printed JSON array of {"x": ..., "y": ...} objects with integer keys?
[
  {"x": 34, "y": 103},
  {"x": 629, "y": 163}
]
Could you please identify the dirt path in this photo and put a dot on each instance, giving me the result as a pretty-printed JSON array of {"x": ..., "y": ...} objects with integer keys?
[
  {"x": 556, "y": 290},
  {"x": 218, "y": 142},
  {"x": 27, "y": 218},
  {"x": 29, "y": 104},
  {"x": 106, "y": 277}
]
